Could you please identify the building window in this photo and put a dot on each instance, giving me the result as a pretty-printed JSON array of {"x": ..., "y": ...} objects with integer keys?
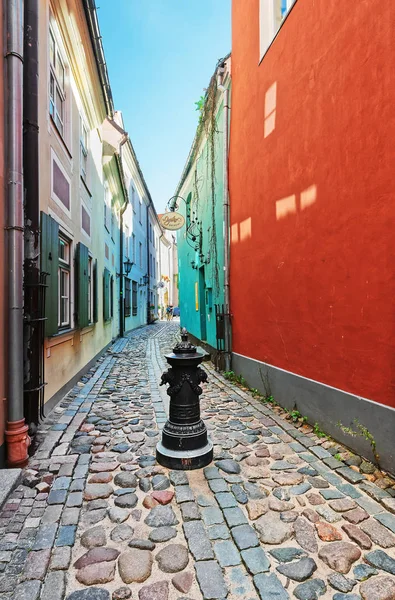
[
  {"x": 271, "y": 15},
  {"x": 140, "y": 211},
  {"x": 134, "y": 298},
  {"x": 64, "y": 281},
  {"x": 57, "y": 96},
  {"x": 83, "y": 149},
  {"x": 107, "y": 208},
  {"x": 127, "y": 297},
  {"x": 112, "y": 226},
  {"x": 60, "y": 184},
  {"x": 85, "y": 221},
  {"x": 133, "y": 248},
  {"x": 133, "y": 197},
  {"x": 126, "y": 241},
  {"x": 141, "y": 255}
]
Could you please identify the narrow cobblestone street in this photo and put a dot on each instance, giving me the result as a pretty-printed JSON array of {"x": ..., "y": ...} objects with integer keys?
[{"x": 276, "y": 516}]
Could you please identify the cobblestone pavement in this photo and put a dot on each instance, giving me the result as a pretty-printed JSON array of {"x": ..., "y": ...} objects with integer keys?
[{"x": 274, "y": 517}]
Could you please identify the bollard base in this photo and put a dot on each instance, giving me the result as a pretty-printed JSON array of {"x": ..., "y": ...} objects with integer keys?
[{"x": 186, "y": 460}]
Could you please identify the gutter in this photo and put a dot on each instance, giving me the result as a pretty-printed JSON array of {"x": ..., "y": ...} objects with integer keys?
[
  {"x": 16, "y": 435},
  {"x": 118, "y": 158},
  {"x": 196, "y": 140},
  {"x": 226, "y": 215},
  {"x": 96, "y": 38}
]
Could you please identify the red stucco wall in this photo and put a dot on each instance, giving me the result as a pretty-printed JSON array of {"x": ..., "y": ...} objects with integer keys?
[{"x": 313, "y": 288}]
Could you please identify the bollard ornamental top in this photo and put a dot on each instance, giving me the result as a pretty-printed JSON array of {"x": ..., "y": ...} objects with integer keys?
[{"x": 185, "y": 346}]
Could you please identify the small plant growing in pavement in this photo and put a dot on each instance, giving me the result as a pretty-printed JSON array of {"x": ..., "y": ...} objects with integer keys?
[
  {"x": 318, "y": 431},
  {"x": 364, "y": 432},
  {"x": 297, "y": 416},
  {"x": 337, "y": 456},
  {"x": 230, "y": 375}
]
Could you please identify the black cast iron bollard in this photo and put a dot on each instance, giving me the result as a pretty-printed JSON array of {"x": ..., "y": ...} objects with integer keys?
[{"x": 184, "y": 444}]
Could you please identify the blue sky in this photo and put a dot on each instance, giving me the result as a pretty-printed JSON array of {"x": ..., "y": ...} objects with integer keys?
[{"x": 160, "y": 56}]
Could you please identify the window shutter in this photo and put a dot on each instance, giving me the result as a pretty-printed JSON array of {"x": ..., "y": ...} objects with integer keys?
[
  {"x": 106, "y": 295},
  {"x": 82, "y": 285},
  {"x": 49, "y": 264},
  {"x": 95, "y": 293}
]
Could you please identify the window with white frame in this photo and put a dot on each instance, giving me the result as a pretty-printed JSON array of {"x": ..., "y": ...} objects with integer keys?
[
  {"x": 126, "y": 241},
  {"x": 140, "y": 212},
  {"x": 57, "y": 93},
  {"x": 83, "y": 149},
  {"x": 127, "y": 297},
  {"x": 141, "y": 255},
  {"x": 64, "y": 274},
  {"x": 133, "y": 197},
  {"x": 133, "y": 248},
  {"x": 271, "y": 15},
  {"x": 107, "y": 207},
  {"x": 134, "y": 298},
  {"x": 112, "y": 226}
]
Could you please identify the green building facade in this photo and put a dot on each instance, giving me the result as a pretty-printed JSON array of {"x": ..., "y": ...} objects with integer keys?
[{"x": 200, "y": 199}]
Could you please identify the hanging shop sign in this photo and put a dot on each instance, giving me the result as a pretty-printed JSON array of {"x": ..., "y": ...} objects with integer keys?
[{"x": 172, "y": 221}]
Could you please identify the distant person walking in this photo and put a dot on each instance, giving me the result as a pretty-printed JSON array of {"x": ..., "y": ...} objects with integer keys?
[{"x": 169, "y": 313}]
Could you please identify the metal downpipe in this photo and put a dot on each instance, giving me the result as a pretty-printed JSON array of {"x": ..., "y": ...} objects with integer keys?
[
  {"x": 226, "y": 209},
  {"x": 17, "y": 439}
]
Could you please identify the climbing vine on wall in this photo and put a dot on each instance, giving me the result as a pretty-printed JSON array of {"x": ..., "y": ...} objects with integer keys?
[{"x": 208, "y": 126}]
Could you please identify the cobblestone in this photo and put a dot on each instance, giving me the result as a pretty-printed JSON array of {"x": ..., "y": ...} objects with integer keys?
[{"x": 255, "y": 524}]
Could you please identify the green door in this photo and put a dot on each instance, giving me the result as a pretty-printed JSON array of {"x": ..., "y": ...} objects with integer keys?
[{"x": 202, "y": 304}]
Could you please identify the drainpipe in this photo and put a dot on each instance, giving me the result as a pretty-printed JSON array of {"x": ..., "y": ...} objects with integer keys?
[
  {"x": 34, "y": 287},
  {"x": 122, "y": 211},
  {"x": 17, "y": 439},
  {"x": 226, "y": 210}
]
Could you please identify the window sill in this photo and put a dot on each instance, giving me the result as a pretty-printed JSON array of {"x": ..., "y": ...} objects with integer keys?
[
  {"x": 60, "y": 338},
  {"x": 87, "y": 329},
  {"x": 60, "y": 137}
]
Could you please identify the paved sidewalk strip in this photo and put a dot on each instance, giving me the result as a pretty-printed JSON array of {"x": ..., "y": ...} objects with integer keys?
[{"x": 274, "y": 517}]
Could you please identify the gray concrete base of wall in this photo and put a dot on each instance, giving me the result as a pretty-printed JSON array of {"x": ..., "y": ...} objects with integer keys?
[
  {"x": 326, "y": 406},
  {"x": 9, "y": 480}
]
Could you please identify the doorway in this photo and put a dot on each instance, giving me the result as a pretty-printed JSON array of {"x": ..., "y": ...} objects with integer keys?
[{"x": 202, "y": 304}]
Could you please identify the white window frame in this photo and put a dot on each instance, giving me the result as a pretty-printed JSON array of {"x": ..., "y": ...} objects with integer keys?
[
  {"x": 126, "y": 251},
  {"x": 57, "y": 88},
  {"x": 107, "y": 207},
  {"x": 65, "y": 267},
  {"x": 112, "y": 226},
  {"x": 88, "y": 210},
  {"x": 83, "y": 150},
  {"x": 271, "y": 17},
  {"x": 133, "y": 197},
  {"x": 54, "y": 196}
]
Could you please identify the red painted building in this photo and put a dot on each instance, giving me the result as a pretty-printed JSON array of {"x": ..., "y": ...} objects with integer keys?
[{"x": 312, "y": 198}]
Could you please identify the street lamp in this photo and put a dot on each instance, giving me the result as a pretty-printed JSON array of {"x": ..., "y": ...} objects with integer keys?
[{"x": 127, "y": 265}]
